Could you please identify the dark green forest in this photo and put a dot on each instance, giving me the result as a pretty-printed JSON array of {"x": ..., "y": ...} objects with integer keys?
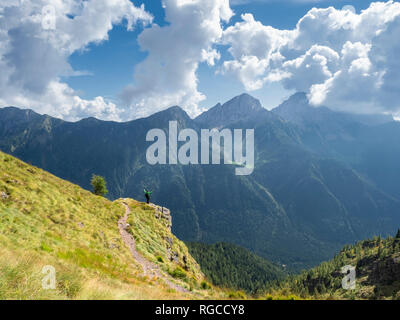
[
  {"x": 376, "y": 262},
  {"x": 230, "y": 266}
]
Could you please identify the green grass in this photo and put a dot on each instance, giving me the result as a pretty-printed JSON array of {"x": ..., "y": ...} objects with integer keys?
[
  {"x": 178, "y": 273},
  {"x": 152, "y": 236},
  {"x": 45, "y": 221},
  {"x": 48, "y": 221}
]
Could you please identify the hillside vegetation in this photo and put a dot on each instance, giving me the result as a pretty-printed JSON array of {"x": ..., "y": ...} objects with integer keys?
[
  {"x": 317, "y": 184},
  {"x": 231, "y": 266},
  {"x": 47, "y": 221},
  {"x": 377, "y": 266}
]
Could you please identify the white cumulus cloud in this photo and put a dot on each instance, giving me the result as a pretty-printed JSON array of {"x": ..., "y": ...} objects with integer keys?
[
  {"x": 167, "y": 76},
  {"x": 344, "y": 60},
  {"x": 36, "y": 39}
]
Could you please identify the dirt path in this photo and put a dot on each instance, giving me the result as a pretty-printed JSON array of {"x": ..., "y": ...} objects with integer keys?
[{"x": 149, "y": 268}]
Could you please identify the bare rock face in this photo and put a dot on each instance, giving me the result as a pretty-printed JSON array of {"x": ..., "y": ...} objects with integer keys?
[
  {"x": 163, "y": 214},
  {"x": 239, "y": 108}
]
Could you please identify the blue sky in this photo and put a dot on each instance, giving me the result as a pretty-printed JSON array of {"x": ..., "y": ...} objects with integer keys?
[
  {"x": 120, "y": 60},
  {"x": 111, "y": 64}
]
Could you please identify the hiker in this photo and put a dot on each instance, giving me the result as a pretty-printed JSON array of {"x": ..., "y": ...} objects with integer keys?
[{"x": 147, "y": 194}]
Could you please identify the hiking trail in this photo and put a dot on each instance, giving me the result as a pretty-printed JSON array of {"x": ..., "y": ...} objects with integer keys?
[{"x": 149, "y": 268}]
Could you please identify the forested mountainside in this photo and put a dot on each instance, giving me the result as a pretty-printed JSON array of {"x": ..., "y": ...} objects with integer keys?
[
  {"x": 377, "y": 273},
  {"x": 317, "y": 184}
]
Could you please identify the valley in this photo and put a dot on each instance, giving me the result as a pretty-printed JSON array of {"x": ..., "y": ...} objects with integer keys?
[{"x": 315, "y": 187}]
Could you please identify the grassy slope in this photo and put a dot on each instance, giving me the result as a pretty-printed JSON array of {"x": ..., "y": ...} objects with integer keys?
[
  {"x": 47, "y": 221},
  {"x": 152, "y": 238}
]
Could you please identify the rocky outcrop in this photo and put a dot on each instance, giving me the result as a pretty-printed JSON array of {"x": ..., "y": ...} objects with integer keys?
[
  {"x": 163, "y": 214},
  {"x": 240, "y": 108}
]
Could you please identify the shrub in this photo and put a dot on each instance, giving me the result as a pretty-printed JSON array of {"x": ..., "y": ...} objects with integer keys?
[
  {"x": 205, "y": 285},
  {"x": 99, "y": 185},
  {"x": 178, "y": 273},
  {"x": 237, "y": 295}
]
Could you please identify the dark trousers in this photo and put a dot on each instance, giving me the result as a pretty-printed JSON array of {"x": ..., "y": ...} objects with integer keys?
[{"x": 147, "y": 199}]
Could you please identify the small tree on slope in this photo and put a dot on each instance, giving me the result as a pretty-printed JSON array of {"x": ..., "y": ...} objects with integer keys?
[{"x": 99, "y": 185}]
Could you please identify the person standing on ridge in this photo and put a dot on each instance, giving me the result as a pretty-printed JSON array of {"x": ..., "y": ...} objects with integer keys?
[{"x": 147, "y": 194}]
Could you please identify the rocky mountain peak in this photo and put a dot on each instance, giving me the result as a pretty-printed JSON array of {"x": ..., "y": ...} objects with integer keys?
[{"x": 239, "y": 108}]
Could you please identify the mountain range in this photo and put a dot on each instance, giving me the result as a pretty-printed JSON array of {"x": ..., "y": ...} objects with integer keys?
[{"x": 322, "y": 179}]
